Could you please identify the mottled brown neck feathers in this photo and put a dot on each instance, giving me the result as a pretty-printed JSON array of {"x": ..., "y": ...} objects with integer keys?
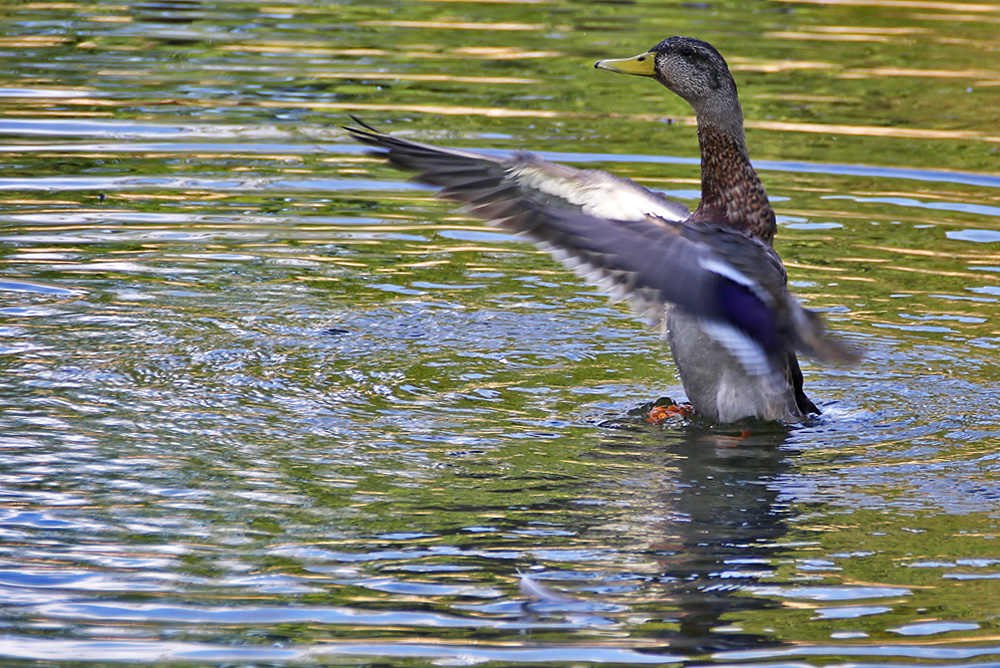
[{"x": 731, "y": 192}]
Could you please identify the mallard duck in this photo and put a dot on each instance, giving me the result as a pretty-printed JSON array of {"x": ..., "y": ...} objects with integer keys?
[{"x": 710, "y": 278}]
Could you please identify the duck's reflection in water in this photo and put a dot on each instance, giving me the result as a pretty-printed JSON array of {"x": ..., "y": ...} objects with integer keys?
[
  {"x": 707, "y": 524},
  {"x": 723, "y": 534}
]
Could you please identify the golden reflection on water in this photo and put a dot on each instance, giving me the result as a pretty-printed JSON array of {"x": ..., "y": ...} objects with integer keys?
[
  {"x": 815, "y": 267},
  {"x": 112, "y": 19},
  {"x": 49, "y": 5},
  {"x": 907, "y": 4},
  {"x": 909, "y": 72},
  {"x": 938, "y": 253},
  {"x": 795, "y": 97},
  {"x": 824, "y": 37},
  {"x": 57, "y": 113},
  {"x": 33, "y": 41},
  {"x": 874, "y": 131},
  {"x": 503, "y": 52},
  {"x": 396, "y": 76},
  {"x": 848, "y": 33},
  {"x": 453, "y": 25},
  {"x": 488, "y": 53},
  {"x": 777, "y": 126},
  {"x": 494, "y": 2},
  {"x": 988, "y": 77},
  {"x": 966, "y": 18},
  {"x": 738, "y": 64},
  {"x": 857, "y": 30},
  {"x": 494, "y": 112},
  {"x": 935, "y": 271}
]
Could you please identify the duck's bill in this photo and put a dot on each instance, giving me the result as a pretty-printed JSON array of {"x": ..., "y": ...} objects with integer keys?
[{"x": 641, "y": 65}]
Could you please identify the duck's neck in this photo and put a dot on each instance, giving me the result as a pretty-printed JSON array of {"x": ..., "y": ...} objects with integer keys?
[{"x": 731, "y": 192}]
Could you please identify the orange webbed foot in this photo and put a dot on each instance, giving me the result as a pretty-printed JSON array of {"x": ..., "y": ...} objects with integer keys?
[{"x": 660, "y": 414}]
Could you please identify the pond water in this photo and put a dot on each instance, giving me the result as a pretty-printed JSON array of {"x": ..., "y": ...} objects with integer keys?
[{"x": 265, "y": 402}]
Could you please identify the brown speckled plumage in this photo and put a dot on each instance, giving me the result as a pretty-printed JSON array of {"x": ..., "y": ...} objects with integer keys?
[{"x": 730, "y": 189}]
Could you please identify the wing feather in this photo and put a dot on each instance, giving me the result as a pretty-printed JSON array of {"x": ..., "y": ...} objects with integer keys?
[{"x": 591, "y": 191}]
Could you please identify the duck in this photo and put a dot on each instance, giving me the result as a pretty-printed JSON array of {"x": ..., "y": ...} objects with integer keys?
[{"x": 709, "y": 279}]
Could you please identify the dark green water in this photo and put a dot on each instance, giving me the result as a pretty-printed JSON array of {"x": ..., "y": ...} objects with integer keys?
[{"x": 264, "y": 402}]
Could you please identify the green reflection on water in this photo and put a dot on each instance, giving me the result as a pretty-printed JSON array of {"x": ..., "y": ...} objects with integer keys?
[{"x": 292, "y": 382}]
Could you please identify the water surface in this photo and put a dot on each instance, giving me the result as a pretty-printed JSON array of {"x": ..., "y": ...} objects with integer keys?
[{"x": 265, "y": 402}]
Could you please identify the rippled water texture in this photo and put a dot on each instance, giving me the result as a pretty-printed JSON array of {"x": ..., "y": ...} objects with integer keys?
[{"x": 265, "y": 402}]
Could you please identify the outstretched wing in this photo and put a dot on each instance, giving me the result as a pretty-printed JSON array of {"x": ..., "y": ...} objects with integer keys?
[
  {"x": 601, "y": 227},
  {"x": 526, "y": 175}
]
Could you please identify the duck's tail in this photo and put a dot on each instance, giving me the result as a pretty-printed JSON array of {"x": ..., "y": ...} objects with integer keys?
[{"x": 812, "y": 339}]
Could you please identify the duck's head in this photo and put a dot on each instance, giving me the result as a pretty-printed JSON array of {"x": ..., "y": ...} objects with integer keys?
[{"x": 692, "y": 69}]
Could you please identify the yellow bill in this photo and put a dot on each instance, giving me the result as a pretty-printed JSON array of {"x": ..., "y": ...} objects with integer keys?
[{"x": 641, "y": 65}]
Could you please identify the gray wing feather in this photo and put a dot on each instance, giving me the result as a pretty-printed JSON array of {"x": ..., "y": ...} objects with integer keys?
[
  {"x": 651, "y": 262},
  {"x": 591, "y": 191}
]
